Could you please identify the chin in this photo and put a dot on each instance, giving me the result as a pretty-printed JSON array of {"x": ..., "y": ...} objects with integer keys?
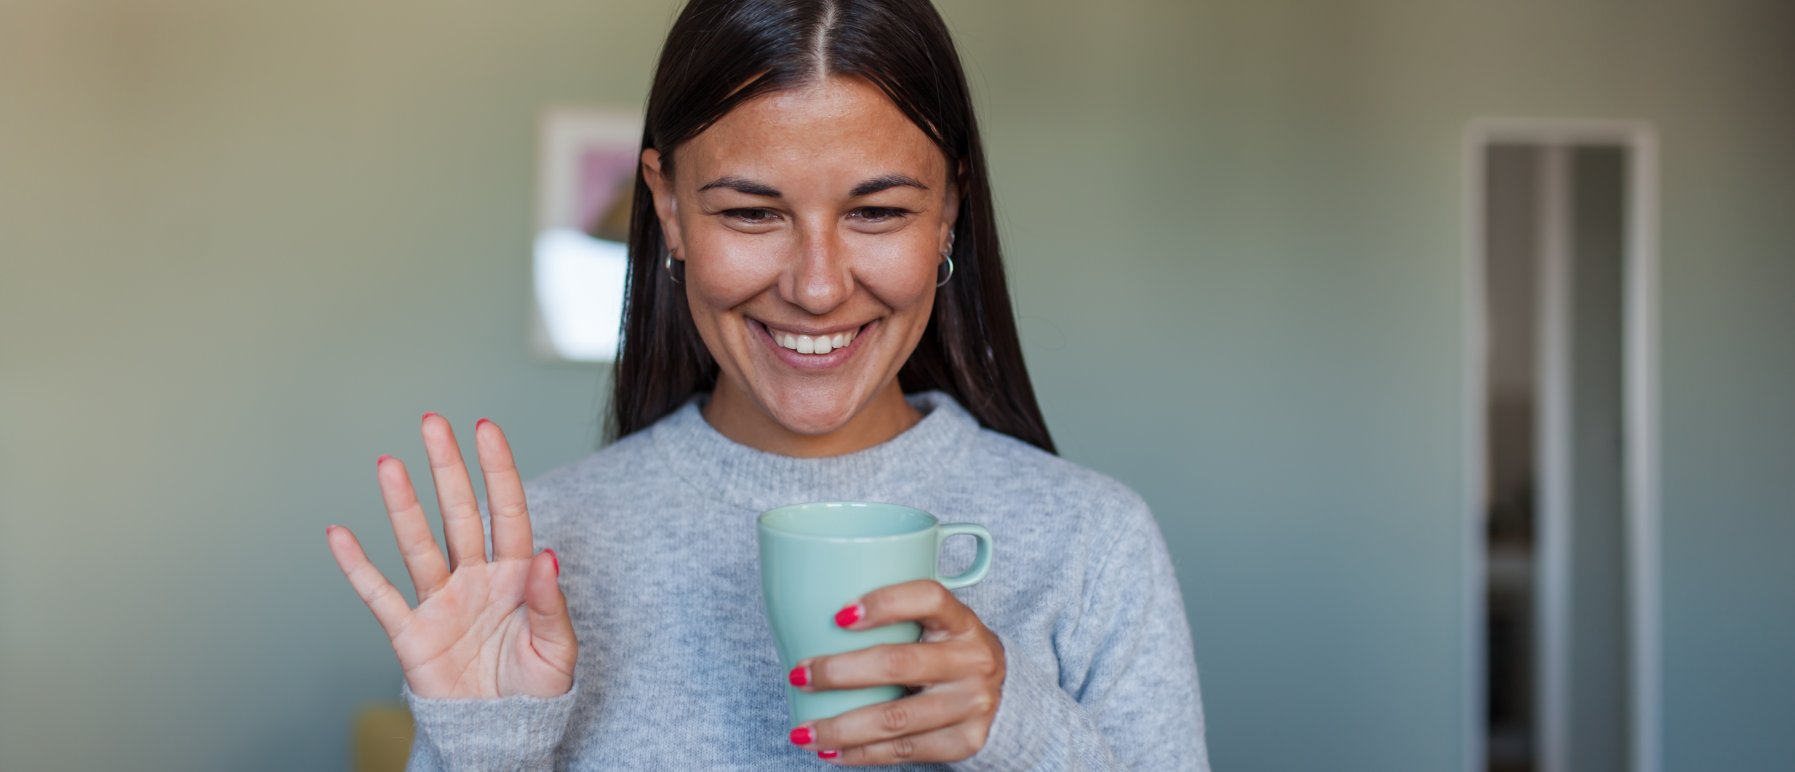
[{"x": 812, "y": 412}]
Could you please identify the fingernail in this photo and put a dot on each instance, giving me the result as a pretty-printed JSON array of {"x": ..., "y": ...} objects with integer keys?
[
  {"x": 551, "y": 556},
  {"x": 849, "y": 615},
  {"x": 381, "y": 460},
  {"x": 802, "y": 736},
  {"x": 481, "y": 421},
  {"x": 799, "y": 676},
  {"x": 827, "y": 754},
  {"x": 427, "y": 416},
  {"x": 328, "y": 527}
]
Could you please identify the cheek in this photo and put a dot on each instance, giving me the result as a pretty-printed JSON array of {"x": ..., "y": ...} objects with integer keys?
[
  {"x": 725, "y": 270},
  {"x": 899, "y": 272}
]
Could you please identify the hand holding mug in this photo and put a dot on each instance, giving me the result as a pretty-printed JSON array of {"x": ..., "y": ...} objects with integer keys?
[
  {"x": 483, "y": 628},
  {"x": 958, "y": 667},
  {"x": 901, "y": 627}
]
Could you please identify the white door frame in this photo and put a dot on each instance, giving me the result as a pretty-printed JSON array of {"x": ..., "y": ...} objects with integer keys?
[{"x": 1640, "y": 394}]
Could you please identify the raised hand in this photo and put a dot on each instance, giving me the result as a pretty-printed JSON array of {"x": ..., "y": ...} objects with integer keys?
[{"x": 482, "y": 628}]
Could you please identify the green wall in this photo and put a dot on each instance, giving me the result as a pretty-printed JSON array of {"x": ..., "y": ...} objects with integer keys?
[{"x": 246, "y": 245}]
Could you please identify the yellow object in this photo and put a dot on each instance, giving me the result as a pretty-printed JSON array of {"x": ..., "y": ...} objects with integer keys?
[{"x": 381, "y": 738}]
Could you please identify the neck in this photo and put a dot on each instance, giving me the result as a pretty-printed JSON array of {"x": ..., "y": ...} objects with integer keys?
[{"x": 734, "y": 414}]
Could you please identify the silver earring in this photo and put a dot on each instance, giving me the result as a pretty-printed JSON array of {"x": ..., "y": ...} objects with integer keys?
[
  {"x": 947, "y": 254},
  {"x": 668, "y": 265}
]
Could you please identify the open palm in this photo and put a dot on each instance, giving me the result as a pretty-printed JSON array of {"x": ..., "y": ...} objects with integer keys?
[{"x": 482, "y": 628}]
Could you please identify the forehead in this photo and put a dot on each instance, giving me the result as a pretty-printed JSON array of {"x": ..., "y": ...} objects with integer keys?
[{"x": 826, "y": 136}]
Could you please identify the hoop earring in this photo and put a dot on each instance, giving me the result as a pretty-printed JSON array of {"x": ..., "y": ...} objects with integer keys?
[
  {"x": 947, "y": 254},
  {"x": 668, "y": 266}
]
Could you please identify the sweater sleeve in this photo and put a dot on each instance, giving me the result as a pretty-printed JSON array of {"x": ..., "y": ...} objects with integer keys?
[
  {"x": 518, "y": 733},
  {"x": 1136, "y": 706}
]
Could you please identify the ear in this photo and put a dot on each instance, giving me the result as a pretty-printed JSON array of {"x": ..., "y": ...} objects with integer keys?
[
  {"x": 950, "y": 212},
  {"x": 666, "y": 206}
]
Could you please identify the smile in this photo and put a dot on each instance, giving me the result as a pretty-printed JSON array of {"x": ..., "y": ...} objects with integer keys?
[
  {"x": 817, "y": 344},
  {"x": 812, "y": 349}
]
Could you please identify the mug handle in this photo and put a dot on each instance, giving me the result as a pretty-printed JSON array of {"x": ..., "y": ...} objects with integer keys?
[{"x": 980, "y": 562}]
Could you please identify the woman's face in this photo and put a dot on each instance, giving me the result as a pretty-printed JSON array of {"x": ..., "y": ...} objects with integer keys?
[{"x": 811, "y": 224}]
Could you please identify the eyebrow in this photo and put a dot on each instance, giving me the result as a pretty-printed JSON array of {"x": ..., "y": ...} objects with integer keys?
[
  {"x": 884, "y": 182},
  {"x": 867, "y": 188},
  {"x": 738, "y": 184}
]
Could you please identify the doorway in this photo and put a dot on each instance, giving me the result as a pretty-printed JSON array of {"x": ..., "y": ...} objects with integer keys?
[{"x": 1562, "y": 512}]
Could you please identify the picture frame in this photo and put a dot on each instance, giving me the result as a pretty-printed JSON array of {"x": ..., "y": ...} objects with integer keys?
[{"x": 586, "y": 173}]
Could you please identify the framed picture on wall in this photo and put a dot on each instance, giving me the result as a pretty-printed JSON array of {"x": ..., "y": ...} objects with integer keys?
[{"x": 585, "y": 182}]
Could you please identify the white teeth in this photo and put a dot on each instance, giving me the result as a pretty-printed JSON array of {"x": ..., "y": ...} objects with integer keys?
[{"x": 807, "y": 344}]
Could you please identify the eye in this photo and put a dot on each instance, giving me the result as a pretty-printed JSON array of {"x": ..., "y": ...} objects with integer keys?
[
  {"x": 879, "y": 214},
  {"x": 751, "y": 216}
]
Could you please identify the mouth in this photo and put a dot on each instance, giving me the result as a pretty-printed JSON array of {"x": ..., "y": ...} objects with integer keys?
[{"x": 812, "y": 349}]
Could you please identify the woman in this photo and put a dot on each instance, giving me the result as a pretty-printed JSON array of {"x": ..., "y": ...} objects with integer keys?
[{"x": 816, "y": 310}]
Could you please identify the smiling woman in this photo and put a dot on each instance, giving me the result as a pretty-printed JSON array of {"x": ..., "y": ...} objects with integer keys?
[
  {"x": 815, "y": 142},
  {"x": 816, "y": 310},
  {"x": 803, "y": 215}
]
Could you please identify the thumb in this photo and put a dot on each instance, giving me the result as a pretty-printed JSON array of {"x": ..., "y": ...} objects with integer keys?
[{"x": 550, "y": 627}]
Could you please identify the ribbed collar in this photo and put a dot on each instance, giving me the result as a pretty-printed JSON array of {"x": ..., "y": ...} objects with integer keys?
[{"x": 722, "y": 469}]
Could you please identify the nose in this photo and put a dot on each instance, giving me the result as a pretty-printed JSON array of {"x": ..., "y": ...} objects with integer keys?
[{"x": 820, "y": 277}]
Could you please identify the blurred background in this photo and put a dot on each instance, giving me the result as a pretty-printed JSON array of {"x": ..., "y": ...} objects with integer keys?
[{"x": 1258, "y": 269}]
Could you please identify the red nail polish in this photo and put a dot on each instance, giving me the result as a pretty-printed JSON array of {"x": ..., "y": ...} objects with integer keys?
[
  {"x": 557, "y": 561},
  {"x": 849, "y": 615},
  {"x": 799, "y": 676},
  {"x": 381, "y": 460},
  {"x": 481, "y": 421},
  {"x": 427, "y": 416},
  {"x": 802, "y": 736},
  {"x": 827, "y": 754}
]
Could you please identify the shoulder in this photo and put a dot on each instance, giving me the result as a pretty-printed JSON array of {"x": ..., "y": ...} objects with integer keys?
[
  {"x": 1068, "y": 531},
  {"x": 589, "y": 482},
  {"x": 1068, "y": 487},
  {"x": 1013, "y": 457}
]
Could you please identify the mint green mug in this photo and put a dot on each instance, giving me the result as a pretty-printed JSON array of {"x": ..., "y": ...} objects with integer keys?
[{"x": 816, "y": 558}]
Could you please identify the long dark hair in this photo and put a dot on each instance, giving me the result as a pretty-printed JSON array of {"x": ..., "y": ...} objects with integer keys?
[{"x": 970, "y": 349}]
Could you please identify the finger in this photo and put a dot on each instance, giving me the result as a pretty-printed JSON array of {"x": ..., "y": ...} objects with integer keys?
[
  {"x": 955, "y": 742},
  {"x": 504, "y": 493},
  {"x": 551, "y": 629},
  {"x": 454, "y": 493},
  {"x": 923, "y": 600},
  {"x": 902, "y": 664},
  {"x": 411, "y": 529},
  {"x": 899, "y": 718},
  {"x": 379, "y": 594}
]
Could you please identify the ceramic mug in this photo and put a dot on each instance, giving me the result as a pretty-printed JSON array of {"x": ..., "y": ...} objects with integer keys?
[{"x": 816, "y": 558}]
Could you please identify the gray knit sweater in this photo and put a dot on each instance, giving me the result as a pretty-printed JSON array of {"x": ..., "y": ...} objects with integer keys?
[{"x": 677, "y": 667}]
